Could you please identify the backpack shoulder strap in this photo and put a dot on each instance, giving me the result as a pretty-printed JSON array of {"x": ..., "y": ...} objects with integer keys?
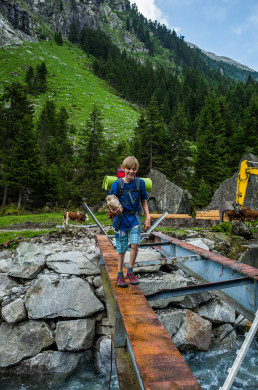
[{"x": 120, "y": 187}]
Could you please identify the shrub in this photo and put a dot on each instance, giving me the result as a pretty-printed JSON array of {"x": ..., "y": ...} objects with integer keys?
[{"x": 224, "y": 227}]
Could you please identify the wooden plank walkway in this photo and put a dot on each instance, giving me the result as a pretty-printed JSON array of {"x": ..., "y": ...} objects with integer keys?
[
  {"x": 211, "y": 214},
  {"x": 170, "y": 216},
  {"x": 158, "y": 362}
]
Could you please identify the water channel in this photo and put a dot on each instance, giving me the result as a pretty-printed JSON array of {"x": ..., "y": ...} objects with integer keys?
[{"x": 210, "y": 369}]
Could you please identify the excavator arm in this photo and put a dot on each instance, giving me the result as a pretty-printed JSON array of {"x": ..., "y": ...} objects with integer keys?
[{"x": 242, "y": 181}]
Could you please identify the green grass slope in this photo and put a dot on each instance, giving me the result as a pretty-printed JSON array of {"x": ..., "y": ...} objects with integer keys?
[{"x": 71, "y": 84}]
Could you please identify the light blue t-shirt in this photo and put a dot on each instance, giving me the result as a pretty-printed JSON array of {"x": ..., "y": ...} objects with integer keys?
[{"x": 128, "y": 220}]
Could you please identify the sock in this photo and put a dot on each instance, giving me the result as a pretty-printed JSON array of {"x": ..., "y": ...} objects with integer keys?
[
  {"x": 129, "y": 270},
  {"x": 120, "y": 274}
]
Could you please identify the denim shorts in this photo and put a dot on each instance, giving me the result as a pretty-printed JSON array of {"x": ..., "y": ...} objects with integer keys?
[{"x": 122, "y": 238}]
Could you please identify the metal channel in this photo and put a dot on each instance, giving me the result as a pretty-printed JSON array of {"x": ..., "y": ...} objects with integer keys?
[
  {"x": 155, "y": 360},
  {"x": 213, "y": 268},
  {"x": 174, "y": 292}
]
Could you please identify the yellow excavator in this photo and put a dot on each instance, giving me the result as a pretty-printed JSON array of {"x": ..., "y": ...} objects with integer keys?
[{"x": 243, "y": 177}]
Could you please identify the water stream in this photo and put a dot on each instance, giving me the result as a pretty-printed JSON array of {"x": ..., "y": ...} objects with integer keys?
[{"x": 210, "y": 369}]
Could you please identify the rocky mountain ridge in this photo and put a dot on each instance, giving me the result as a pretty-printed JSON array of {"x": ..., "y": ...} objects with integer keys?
[
  {"x": 217, "y": 58},
  {"x": 35, "y": 19}
]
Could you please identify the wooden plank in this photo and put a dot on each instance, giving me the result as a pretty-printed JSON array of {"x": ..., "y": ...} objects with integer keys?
[
  {"x": 171, "y": 216},
  {"x": 158, "y": 361}
]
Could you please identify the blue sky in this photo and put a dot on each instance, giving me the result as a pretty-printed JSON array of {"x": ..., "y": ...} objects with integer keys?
[{"x": 227, "y": 28}]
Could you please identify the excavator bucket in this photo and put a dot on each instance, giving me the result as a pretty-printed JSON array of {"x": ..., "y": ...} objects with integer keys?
[{"x": 224, "y": 206}]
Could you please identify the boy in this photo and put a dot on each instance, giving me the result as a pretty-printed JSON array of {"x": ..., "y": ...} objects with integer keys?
[{"x": 128, "y": 218}]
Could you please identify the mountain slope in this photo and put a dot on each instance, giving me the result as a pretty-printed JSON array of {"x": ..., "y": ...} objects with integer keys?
[{"x": 71, "y": 84}]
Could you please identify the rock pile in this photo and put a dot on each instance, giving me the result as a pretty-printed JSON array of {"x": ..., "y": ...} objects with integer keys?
[{"x": 53, "y": 306}]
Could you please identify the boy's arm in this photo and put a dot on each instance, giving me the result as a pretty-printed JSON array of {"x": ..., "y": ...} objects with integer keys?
[{"x": 147, "y": 214}]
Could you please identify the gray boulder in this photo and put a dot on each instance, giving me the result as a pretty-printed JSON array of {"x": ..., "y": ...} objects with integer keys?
[
  {"x": 250, "y": 256},
  {"x": 14, "y": 312},
  {"x": 217, "y": 312},
  {"x": 240, "y": 229},
  {"x": 187, "y": 329},
  {"x": 23, "y": 340},
  {"x": 103, "y": 356},
  {"x": 75, "y": 335},
  {"x": 227, "y": 189},
  {"x": 225, "y": 335},
  {"x": 5, "y": 261},
  {"x": 166, "y": 196},
  {"x": 6, "y": 285},
  {"x": 74, "y": 263},
  {"x": 49, "y": 363},
  {"x": 160, "y": 282},
  {"x": 29, "y": 259},
  {"x": 144, "y": 255},
  {"x": 51, "y": 298}
]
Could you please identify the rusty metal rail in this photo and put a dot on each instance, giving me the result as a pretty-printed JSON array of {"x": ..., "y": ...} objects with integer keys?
[
  {"x": 146, "y": 357},
  {"x": 240, "y": 281}
]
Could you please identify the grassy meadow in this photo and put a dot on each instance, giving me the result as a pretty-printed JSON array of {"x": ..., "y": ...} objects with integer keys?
[{"x": 70, "y": 83}]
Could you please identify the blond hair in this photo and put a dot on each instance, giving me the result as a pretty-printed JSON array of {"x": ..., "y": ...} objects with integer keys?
[{"x": 129, "y": 162}]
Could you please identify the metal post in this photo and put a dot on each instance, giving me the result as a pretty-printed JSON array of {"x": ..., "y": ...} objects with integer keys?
[
  {"x": 240, "y": 355},
  {"x": 94, "y": 218},
  {"x": 155, "y": 224}
]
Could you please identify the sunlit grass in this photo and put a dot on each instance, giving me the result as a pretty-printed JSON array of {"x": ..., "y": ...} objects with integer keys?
[{"x": 70, "y": 83}]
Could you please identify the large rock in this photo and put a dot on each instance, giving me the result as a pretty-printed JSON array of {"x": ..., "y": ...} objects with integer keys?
[
  {"x": 51, "y": 298},
  {"x": 144, "y": 255},
  {"x": 74, "y": 263},
  {"x": 23, "y": 340},
  {"x": 250, "y": 256},
  {"x": 225, "y": 335},
  {"x": 163, "y": 281},
  {"x": 5, "y": 261},
  {"x": 29, "y": 259},
  {"x": 166, "y": 196},
  {"x": 103, "y": 356},
  {"x": 187, "y": 329},
  {"x": 49, "y": 363},
  {"x": 14, "y": 312},
  {"x": 6, "y": 285},
  {"x": 75, "y": 335},
  {"x": 217, "y": 312},
  {"x": 27, "y": 19},
  {"x": 227, "y": 190}
]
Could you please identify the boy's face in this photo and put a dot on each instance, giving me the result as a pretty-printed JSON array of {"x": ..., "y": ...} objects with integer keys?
[{"x": 130, "y": 173}]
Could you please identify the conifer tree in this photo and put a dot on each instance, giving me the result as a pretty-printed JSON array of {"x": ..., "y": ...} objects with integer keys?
[
  {"x": 29, "y": 78},
  {"x": 22, "y": 168},
  {"x": 212, "y": 160},
  {"x": 179, "y": 150},
  {"x": 251, "y": 125},
  {"x": 58, "y": 38},
  {"x": 73, "y": 35},
  {"x": 20, "y": 156}
]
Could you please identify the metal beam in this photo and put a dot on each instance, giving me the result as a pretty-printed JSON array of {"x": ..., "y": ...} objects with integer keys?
[
  {"x": 174, "y": 292},
  {"x": 211, "y": 268},
  {"x": 94, "y": 218}
]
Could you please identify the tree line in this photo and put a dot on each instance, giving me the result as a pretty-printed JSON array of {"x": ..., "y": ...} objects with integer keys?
[{"x": 193, "y": 128}]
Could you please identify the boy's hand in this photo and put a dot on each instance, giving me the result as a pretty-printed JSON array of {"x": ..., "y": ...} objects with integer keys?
[
  {"x": 146, "y": 224},
  {"x": 118, "y": 211}
]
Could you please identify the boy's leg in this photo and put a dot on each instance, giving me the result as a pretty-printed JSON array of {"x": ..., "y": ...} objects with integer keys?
[
  {"x": 121, "y": 248},
  {"x": 120, "y": 261},
  {"x": 133, "y": 254},
  {"x": 135, "y": 238}
]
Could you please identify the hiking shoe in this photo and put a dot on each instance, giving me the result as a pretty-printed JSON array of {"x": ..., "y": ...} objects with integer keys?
[
  {"x": 120, "y": 281},
  {"x": 132, "y": 278}
]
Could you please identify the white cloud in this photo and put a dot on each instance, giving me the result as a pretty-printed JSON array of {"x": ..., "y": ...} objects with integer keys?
[{"x": 149, "y": 9}]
